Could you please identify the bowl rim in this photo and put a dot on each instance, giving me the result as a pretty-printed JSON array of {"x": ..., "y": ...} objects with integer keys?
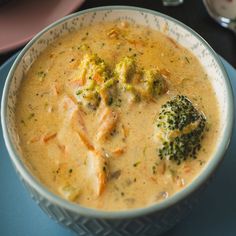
[{"x": 130, "y": 213}]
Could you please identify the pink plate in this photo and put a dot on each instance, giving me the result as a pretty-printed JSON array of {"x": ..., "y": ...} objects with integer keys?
[{"x": 21, "y": 20}]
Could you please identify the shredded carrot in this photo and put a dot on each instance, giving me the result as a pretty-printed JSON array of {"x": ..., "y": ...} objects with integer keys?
[
  {"x": 153, "y": 179},
  {"x": 187, "y": 169},
  {"x": 165, "y": 72},
  {"x": 62, "y": 147},
  {"x": 77, "y": 83},
  {"x": 86, "y": 140},
  {"x": 172, "y": 41},
  {"x": 118, "y": 151},
  {"x": 34, "y": 139},
  {"x": 98, "y": 78},
  {"x": 102, "y": 180},
  {"x": 136, "y": 43},
  {"x": 108, "y": 124},
  {"x": 48, "y": 137}
]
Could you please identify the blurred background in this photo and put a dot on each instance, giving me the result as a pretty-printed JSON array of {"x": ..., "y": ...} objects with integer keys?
[{"x": 193, "y": 13}]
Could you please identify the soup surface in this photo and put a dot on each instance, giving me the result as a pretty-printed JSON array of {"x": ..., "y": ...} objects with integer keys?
[{"x": 90, "y": 117}]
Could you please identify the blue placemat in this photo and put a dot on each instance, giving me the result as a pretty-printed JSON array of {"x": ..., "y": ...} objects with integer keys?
[{"x": 215, "y": 215}]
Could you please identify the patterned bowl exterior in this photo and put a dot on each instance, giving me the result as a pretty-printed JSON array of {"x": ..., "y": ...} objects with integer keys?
[
  {"x": 152, "y": 220},
  {"x": 148, "y": 225}
]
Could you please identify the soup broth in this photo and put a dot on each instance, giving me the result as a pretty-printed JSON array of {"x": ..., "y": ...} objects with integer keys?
[{"x": 87, "y": 118}]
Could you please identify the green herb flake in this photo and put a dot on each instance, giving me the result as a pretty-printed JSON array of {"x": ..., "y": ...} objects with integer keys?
[
  {"x": 110, "y": 101},
  {"x": 41, "y": 74},
  {"x": 31, "y": 115},
  {"x": 104, "y": 169},
  {"x": 22, "y": 122},
  {"x": 201, "y": 162},
  {"x": 186, "y": 58},
  {"x": 144, "y": 151},
  {"x": 136, "y": 164},
  {"x": 154, "y": 170},
  {"x": 78, "y": 92}
]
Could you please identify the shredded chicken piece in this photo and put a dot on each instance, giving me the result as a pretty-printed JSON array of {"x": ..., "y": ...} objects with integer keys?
[
  {"x": 98, "y": 168},
  {"x": 96, "y": 160},
  {"x": 101, "y": 112},
  {"x": 75, "y": 118},
  {"x": 67, "y": 105},
  {"x": 163, "y": 168},
  {"x": 78, "y": 125}
]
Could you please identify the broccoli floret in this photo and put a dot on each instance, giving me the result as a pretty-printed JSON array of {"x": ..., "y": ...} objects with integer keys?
[
  {"x": 89, "y": 98},
  {"x": 98, "y": 83},
  {"x": 151, "y": 83},
  {"x": 93, "y": 68},
  {"x": 92, "y": 72},
  {"x": 154, "y": 82},
  {"x": 125, "y": 69},
  {"x": 124, "y": 72},
  {"x": 108, "y": 91},
  {"x": 180, "y": 127}
]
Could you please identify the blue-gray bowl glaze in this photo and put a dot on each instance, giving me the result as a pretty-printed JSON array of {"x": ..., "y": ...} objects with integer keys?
[{"x": 151, "y": 220}]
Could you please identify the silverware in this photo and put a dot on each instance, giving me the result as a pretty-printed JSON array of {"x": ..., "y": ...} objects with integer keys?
[{"x": 222, "y": 20}]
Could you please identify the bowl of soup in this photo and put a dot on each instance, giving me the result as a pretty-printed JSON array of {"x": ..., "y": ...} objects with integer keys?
[{"x": 115, "y": 118}]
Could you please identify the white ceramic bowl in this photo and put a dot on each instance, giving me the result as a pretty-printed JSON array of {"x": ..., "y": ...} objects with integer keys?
[{"x": 151, "y": 220}]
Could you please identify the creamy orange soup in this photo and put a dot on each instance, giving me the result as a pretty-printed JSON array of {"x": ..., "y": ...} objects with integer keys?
[{"x": 88, "y": 112}]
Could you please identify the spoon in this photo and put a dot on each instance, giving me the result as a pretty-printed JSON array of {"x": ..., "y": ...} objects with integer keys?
[{"x": 222, "y": 20}]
